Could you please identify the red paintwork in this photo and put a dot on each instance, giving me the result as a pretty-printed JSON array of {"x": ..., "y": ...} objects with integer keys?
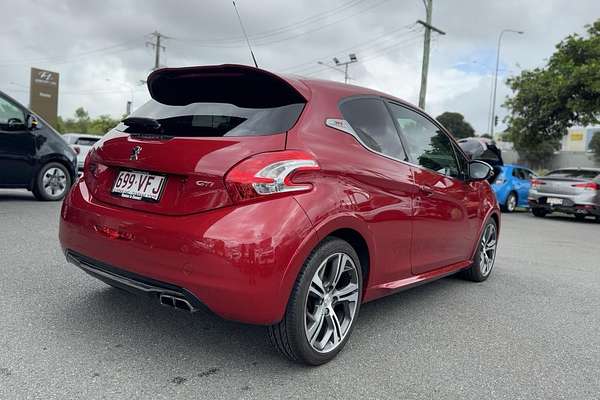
[{"x": 242, "y": 259}]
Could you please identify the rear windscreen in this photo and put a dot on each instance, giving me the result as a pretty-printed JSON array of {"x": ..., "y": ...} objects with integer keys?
[
  {"x": 86, "y": 141},
  {"x": 574, "y": 173},
  {"x": 215, "y": 119}
]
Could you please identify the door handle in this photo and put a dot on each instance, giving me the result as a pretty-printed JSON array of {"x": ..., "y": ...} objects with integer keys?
[{"x": 425, "y": 191}]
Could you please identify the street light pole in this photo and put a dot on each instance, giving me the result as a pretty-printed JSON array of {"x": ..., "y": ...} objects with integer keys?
[
  {"x": 131, "y": 90},
  {"x": 494, "y": 87}
]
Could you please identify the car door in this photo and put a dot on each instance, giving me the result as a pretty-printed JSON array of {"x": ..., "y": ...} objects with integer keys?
[
  {"x": 521, "y": 185},
  {"x": 445, "y": 209},
  {"x": 17, "y": 145},
  {"x": 377, "y": 162},
  {"x": 527, "y": 176}
]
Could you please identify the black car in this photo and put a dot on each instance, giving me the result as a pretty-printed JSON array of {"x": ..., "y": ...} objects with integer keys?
[{"x": 33, "y": 156}]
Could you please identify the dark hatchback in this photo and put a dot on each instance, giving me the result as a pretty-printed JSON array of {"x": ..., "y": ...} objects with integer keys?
[{"x": 33, "y": 156}]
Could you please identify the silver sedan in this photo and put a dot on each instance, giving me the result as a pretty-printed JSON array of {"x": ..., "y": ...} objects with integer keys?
[{"x": 573, "y": 191}]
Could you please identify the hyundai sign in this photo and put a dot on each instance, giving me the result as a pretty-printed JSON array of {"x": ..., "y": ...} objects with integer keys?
[{"x": 43, "y": 94}]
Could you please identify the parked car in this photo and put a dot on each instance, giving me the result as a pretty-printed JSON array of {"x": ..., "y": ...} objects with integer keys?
[
  {"x": 32, "y": 154},
  {"x": 81, "y": 144},
  {"x": 510, "y": 182},
  {"x": 573, "y": 191},
  {"x": 511, "y": 185},
  {"x": 279, "y": 201}
]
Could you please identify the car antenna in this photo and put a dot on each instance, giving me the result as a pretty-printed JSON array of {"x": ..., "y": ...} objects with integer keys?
[{"x": 245, "y": 35}]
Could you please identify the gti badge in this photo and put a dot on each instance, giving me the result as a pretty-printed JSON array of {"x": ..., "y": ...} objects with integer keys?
[{"x": 135, "y": 152}]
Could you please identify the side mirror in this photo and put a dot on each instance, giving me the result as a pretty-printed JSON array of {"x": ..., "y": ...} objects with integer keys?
[
  {"x": 15, "y": 124},
  {"x": 32, "y": 122},
  {"x": 480, "y": 170}
]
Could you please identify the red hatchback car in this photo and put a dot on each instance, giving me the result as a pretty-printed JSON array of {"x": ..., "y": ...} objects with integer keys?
[{"x": 279, "y": 201}]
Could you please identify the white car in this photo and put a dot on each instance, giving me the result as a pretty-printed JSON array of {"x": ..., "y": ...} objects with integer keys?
[{"x": 81, "y": 143}]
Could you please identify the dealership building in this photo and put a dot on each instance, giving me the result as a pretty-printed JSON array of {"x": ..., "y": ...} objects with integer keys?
[{"x": 578, "y": 139}]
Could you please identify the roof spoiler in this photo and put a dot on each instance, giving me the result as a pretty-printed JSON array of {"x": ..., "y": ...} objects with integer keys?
[{"x": 240, "y": 85}]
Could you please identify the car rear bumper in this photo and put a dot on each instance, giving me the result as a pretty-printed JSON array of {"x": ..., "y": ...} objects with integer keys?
[
  {"x": 584, "y": 204},
  {"x": 240, "y": 262}
]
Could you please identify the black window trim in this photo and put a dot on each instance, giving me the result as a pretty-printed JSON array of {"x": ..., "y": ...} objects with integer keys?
[
  {"x": 456, "y": 148},
  {"x": 363, "y": 144}
]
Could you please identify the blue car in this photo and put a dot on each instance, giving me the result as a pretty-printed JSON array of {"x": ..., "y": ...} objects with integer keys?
[
  {"x": 510, "y": 182},
  {"x": 511, "y": 185}
]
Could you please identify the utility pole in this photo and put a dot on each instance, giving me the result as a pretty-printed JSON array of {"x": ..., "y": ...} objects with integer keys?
[
  {"x": 157, "y": 47},
  {"x": 493, "y": 119},
  {"x": 426, "y": 47}
]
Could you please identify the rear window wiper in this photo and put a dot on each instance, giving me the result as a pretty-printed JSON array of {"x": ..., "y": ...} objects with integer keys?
[{"x": 149, "y": 125}]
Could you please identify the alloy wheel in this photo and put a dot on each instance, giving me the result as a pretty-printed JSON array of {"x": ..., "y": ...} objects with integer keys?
[
  {"x": 511, "y": 203},
  {"x": 487, "y": 253},
  {"x": 54, "y": 181},
  {"x": 331, "y": 302}
]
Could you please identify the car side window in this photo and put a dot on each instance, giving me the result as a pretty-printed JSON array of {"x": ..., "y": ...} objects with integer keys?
[
  {"x": 521, "y": 174},
  {"x": 9, "y": 112},
  {"x": 529, "y": 175},
  {"x": 373, "y": 125},
  {"x": 427, "y": 144}
]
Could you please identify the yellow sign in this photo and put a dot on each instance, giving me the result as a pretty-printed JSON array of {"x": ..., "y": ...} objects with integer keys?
[{"x": 576, "y": 136}]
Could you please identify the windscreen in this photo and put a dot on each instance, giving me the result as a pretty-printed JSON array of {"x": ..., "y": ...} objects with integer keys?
[
  {"x": 215, "y": 119},
  {"x": 86, "y": 141},
  {"x": 574, "y": 173}
]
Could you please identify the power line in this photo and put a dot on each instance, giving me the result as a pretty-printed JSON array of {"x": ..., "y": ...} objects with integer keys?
[
  {"x": 275, "y": 31},
  {"x": 260, "y": 42},
  {"x": 106, "y": 49},
  {"x": 370, "y": 55},
  {"x": 358, "y": 47}
]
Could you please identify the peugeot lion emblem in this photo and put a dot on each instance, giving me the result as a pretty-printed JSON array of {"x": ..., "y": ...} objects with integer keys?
[{"x": 135, "y": 152}]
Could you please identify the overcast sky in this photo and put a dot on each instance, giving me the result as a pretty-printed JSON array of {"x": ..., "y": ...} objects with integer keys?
[{"x": 98, "y": 47}]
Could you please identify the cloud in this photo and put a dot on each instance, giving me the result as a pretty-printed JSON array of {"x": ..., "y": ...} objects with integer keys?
[{"x": 88, "y": 42}]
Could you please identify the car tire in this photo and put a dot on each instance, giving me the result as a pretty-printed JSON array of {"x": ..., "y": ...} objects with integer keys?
[
  {"x": 52, "y": 182},
  {"x": 511, "y": 203},
  {"x": 538, "y": 212},
  {"x": 312, "y": 330},
  {"x": 485, "y": 256}
]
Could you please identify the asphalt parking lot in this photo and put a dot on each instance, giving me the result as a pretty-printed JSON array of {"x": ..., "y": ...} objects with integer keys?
[{"x": 530, "y": 332}]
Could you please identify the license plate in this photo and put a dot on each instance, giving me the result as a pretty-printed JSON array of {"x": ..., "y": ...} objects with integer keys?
[
  {"x": 554, "y": 201},
  {"x": 139, "y": 185}
]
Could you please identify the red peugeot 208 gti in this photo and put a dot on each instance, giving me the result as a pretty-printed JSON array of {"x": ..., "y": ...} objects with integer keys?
[{"x": 279, "y": 201}]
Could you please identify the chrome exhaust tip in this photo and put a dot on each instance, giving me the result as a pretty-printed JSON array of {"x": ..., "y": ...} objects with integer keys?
[{"x": 175, "y": 302}]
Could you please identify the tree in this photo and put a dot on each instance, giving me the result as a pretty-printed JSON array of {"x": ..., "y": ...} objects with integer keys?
[
  {"x": 547, "y": 101},
  {"x": 83, "y": 123},
  {"x": 595, "y": 145},
  {"x": 456, "y": 124}
]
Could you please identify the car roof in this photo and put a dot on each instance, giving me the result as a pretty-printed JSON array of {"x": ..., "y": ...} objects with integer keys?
[
  {"x": 162, "y": 85},
  {"x": 338, "y": 89},
  {"x": 517, "y": 166}
]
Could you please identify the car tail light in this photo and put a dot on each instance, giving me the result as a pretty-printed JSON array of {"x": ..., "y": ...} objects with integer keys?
[
  {"x": 536, "y": 183},
  {"x": 77, "y": 149},
  {"x": 92, "y": 169},
  {"x": 268, "y": 174},
  {"x": 587, "y": 186}
]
